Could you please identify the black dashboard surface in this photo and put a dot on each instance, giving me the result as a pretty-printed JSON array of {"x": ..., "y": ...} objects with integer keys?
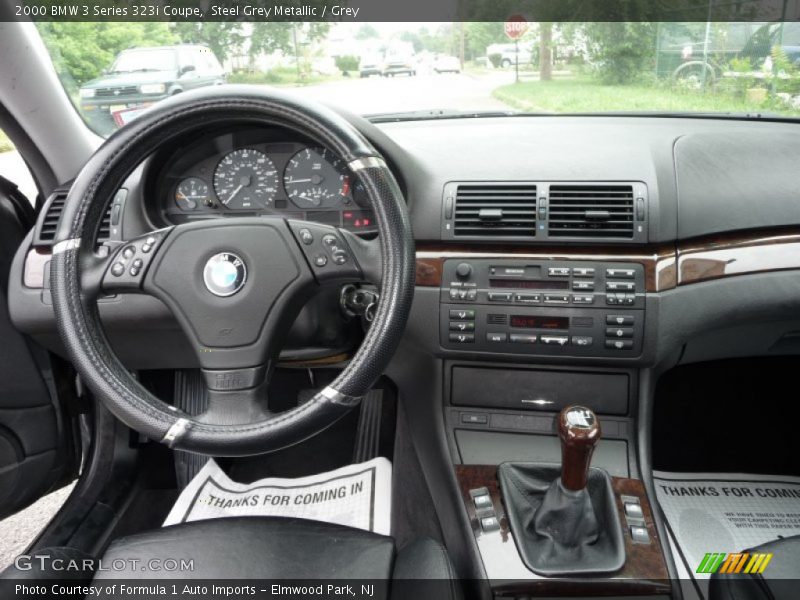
[{"x": 707, "y": 192}]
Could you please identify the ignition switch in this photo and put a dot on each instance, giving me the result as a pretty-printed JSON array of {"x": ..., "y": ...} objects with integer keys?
[{"x": 359, "y": 302}]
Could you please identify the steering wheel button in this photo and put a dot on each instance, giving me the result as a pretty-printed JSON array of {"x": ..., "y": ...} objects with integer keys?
[
  {"x": 146, "y": 248},
  {"x": 320, "y": 260},
  {"x": 151, "y": 240},
  {"x": 134, "y": 271},
  {"x": 128, "y": 252},
  {"x": 330, "y": 240},
  {"x": 117, "y": 269},
  {"x": 137, "y": 263},
  {"x": 306, "y": 236},
  {"x": 340, "y": 257}
]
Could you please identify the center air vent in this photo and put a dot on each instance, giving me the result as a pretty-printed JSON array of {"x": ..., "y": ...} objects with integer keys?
[
  {"x": 591, "y": 211},
  {"x": 495, "y": 210}
]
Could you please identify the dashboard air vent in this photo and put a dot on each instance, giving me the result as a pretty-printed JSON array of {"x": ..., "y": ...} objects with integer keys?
[
  {"x": 495, "y": 210},
  {"x": 591, "y": 211},
  {"x": 51, "y": 215},
  {"x": 104, "y": 233}
]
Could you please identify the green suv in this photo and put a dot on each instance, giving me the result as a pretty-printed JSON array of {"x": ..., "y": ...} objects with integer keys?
[{"x": 140, "y": 77}]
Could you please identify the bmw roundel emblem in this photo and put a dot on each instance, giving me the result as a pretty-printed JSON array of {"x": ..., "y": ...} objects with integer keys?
[{"x": 224, "y": 274}]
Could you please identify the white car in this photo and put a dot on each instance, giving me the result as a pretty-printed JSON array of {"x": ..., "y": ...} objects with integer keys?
[{"x": 447, "y": 64}]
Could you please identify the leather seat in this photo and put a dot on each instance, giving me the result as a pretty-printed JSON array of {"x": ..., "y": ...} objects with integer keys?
[
  {"x": 779, "y": 580},
  {"x": 278, "y": 548}
]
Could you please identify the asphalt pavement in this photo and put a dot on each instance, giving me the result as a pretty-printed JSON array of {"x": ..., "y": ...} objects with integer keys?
[{"x": 456, "y": 91}]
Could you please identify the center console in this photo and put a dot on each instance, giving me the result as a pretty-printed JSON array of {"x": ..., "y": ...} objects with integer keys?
[{"x": 543, "y": 307}]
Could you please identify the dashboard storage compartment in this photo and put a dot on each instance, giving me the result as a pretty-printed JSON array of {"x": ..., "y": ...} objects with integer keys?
[{"x": 539, "y": 389}]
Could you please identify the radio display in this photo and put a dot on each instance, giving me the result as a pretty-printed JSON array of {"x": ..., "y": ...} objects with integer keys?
[
  {"x": 529, "y": 284},
  {"x": 537, "y": 322}
]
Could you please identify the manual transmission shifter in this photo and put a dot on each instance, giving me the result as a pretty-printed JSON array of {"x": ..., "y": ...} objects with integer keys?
[
  {"x": 579, "y": 431},
  {"x": 564, "y": 518}
]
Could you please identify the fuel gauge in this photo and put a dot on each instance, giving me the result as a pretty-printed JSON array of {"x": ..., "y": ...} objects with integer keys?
[{"x": 191, "y": 193}]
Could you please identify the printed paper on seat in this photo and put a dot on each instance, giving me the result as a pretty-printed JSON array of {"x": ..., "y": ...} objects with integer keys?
[{"x": 356, "y": 496}]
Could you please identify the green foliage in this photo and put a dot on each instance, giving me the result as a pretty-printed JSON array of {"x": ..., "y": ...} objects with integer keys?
[
  {"x": 495, "y": 58},
  {"x": 621, "y": 52},
  {"x": 277, "y": 76},
  {"x": 347, "y": 63},
  {"x": 224, "y": 38},
  {"x": 80, "y": 51},
  {"x": 367, "y": 32}
]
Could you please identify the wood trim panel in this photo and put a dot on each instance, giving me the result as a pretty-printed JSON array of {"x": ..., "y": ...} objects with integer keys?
[
  {"x": 659, "y": 262},
  {"x": 730, "y": 255},
  {"x": 645, "y": 571}
]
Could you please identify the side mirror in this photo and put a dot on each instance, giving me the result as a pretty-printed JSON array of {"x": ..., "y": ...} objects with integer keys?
[{"x": 186, "y": 69}]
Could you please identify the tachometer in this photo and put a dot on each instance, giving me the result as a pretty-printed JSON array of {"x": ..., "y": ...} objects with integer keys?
[
  {"x": 317, "y": 178},
  {"x": 246, "y": 179}
]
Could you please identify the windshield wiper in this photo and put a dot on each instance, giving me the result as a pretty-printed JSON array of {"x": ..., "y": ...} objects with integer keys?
[{"x": 437, "y": 113}]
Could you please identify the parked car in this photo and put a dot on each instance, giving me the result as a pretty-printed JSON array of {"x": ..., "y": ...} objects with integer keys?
[
  {"x": 139, "y": 77},
  {"x": 506, "y": 55},
  {"x": 690, "y": 53},
  {"x": 370, "y": 64},
  {"x": 447, "y": 64},
  {"x": 399, "y": 64}
]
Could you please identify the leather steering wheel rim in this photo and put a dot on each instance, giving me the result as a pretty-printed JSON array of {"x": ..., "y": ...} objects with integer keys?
[{"x": 73, "y": 261}]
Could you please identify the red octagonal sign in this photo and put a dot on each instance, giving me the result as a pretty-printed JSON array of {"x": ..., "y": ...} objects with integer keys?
[{"x": 516, "y": 26}]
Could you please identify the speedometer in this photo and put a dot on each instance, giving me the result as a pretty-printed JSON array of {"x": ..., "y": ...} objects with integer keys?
[
  {"x": 317, "y": 178},
  {"x": 246, "y": 179}
]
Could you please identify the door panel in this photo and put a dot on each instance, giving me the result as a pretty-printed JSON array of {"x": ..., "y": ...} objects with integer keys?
[{"x": 36, "y": 441}]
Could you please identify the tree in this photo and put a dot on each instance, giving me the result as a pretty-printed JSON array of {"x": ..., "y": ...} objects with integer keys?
[
  {"x": 620, "y": 51},
  {"x": 367, "y": 32},
  {"x": 224, "y": 38},
  {"x": 81, "y": 51},
  {"x": 545, "y": 51},
  {"x": 478, "y": 35}
]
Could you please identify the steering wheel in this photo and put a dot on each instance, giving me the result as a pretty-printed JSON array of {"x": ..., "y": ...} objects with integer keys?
[{"x": 234, "y": 284}]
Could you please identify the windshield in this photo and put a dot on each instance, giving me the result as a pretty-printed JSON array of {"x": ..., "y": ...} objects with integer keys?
[
  {"x": 145, "y": 60},
  {"x": 434, "y": 70}
]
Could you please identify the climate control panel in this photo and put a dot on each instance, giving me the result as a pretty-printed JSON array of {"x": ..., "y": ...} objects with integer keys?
[{"x": 543, "y": 307}]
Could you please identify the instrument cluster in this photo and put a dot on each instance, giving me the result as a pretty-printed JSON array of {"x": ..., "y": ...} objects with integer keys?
[{"x": 244, "y": 173}]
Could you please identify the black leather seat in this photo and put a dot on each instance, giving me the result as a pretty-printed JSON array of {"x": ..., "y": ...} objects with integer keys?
[
  {"x": 276, "y": 548},
  {"x": 779, "y": 581}
]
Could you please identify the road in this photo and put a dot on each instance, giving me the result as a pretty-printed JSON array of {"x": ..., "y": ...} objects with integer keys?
[{"x": 403, "y": 93}]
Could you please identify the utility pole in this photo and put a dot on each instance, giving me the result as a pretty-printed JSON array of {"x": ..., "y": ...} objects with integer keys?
[{"x": 461, "y": 46}]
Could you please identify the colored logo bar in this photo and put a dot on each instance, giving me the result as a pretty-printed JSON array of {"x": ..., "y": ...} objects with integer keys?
[{"x": 738, "y": 562}]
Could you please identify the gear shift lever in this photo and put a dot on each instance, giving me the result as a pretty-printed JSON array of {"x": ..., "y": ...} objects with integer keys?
[
  {"x": 567, "y": 524},
  {"x": 579, "y": 431}
]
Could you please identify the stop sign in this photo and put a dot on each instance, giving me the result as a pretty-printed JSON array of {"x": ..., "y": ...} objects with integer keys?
[{"x": 515, "y": 27}]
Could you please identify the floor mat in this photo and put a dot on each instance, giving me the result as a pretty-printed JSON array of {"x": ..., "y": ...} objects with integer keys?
[
  {"x": 724, "y": 513},
  {"x": 357, "y": 495}
]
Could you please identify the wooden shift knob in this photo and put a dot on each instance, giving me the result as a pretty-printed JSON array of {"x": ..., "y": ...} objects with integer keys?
[{"x": 579, "y": 431}]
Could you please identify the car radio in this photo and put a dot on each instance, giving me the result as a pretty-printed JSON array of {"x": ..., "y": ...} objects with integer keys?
[{"x": 543, "y": 307}]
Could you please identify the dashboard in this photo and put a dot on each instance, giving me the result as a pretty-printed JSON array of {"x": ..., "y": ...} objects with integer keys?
[
  {"x": 258, "y": 171},
  {"x": 568, "y": 190}
]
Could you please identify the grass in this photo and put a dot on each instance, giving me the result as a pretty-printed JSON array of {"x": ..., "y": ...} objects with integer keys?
[
  {"x": 586, "y": 95},
  {"x": 5, "y": 143},
  {"x": 280, "y": 76}
]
